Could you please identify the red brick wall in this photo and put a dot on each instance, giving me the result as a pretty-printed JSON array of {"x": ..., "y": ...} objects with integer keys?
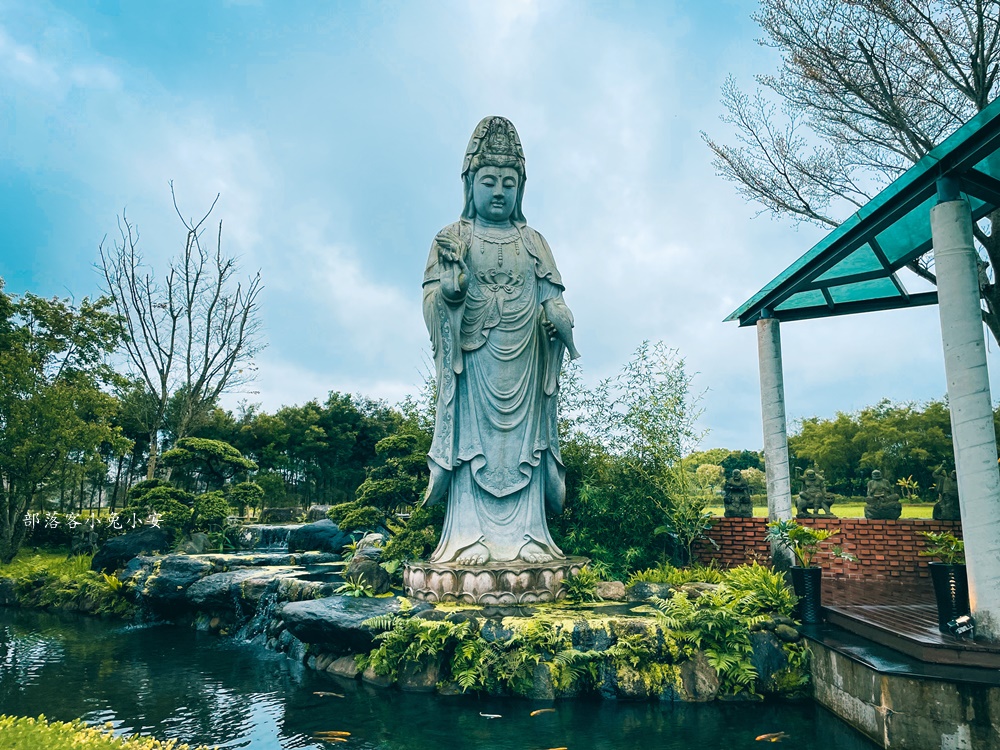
[{"x": 886, "y": 550}]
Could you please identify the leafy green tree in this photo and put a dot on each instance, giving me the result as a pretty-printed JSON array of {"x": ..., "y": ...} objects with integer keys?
[
  {"x": 395, "y": 483},
  {"x": 171, "y": 504},
  {"x": 727, "y": 459},
  {"x": 210, "y": 511},
  {"x": 399, "y": 478},
  {"x": 901, "y": 440},
  {"x": 743, "y": 460},
  {"x": 709, "y": 477},
  {"x": 621, "y": 446},
  {"x": 246, "y": 496},
  {"x": 756, "y": 479},
  {"x": 52, "y": 399},
  {"x": 209, "y": 462},
  {"x": 320, "y": 450}
]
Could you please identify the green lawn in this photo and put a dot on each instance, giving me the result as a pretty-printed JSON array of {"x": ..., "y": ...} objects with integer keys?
[{"x": 847, "y": 510}]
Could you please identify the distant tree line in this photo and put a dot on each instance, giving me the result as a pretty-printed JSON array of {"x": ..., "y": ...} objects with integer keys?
[{"x": 905, "y": 441}]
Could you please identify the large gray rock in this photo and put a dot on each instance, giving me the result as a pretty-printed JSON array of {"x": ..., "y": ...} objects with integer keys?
[
  {"x": 317, "y": 512},
  {"x": 120, "y": 549},
  {"x": 419, "y": 678},
  {"x": 640, "y": 591},
  {"x": 8, "y": 592},
  {"x": 345, "y": 666},
  {"x": 163, "y": 582},
  {"x": 335, "y": 623},
  {"x": 196, "y": 544},
  {"x": 611, "y": 591},
  {"x": 768, "y": 658},
  {"x": 322, "y": 536},
  {"x": 370, "y": 571},
  {"x": 231, "y": 590},
  {"x": 700, "y": 679},
  {"x": 590, "y": 636}
]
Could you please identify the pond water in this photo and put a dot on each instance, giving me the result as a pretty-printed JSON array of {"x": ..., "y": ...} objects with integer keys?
[{"x": 173, "y": 682}]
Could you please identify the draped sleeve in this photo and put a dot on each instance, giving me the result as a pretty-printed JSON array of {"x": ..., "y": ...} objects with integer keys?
[{"x": 444, "y": 324}]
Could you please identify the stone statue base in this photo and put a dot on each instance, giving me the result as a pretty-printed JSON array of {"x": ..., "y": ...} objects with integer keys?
[
  {"x": 506, "y": 583},
  {"x": 946, "y": 511},
  {"x": 883, "y": 510}
]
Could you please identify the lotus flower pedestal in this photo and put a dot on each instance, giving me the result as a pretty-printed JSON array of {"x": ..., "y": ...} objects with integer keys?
[{"x": 493, "y": 584}]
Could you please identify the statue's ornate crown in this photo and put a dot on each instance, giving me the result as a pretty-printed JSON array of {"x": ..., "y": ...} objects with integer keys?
[{"x": 494, "y": 142}]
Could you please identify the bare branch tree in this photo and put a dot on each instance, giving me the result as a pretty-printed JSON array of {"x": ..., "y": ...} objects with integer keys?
[
  {"x": 190, "y": 337},
  {"x": 865, "y": 88}
]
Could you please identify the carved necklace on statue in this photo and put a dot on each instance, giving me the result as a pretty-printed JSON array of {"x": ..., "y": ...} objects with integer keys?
[{"x": 507, "y": 238}]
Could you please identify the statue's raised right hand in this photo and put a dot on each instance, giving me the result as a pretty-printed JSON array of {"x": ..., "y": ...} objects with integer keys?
[{"x": 454, "y": 272}]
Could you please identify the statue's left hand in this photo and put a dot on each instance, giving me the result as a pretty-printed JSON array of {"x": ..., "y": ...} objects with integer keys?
[{"x": 550, "y": 329}]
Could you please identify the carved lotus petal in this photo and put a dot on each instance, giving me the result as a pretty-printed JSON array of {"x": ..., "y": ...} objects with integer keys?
[
  {"x": 444, "y": 581},
  {"x": 550, "y": 579},
  {"x": 517, "y": 582},
  {"x": 414, "y": 578},
  {"x": 478, "y": 583}
]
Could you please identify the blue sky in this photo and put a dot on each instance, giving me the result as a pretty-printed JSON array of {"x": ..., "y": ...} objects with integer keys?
[{"x": 335, "y": 134}]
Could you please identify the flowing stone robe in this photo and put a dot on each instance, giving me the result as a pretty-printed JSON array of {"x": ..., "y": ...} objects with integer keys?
[{"x": 495, "y": 450}]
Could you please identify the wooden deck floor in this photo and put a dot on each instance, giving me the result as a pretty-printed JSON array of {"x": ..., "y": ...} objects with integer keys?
[{"x": 903, "y": 618}]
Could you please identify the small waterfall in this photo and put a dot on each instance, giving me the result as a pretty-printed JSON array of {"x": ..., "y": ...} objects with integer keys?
[
  {"x": 264, "y": 538},
  {"x": 255, "y": 629}
]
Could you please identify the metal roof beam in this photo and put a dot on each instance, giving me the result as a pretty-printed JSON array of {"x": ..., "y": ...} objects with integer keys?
[
  {"x": 853, "y": 278},
  {"x": 982, "y": 186},
  {"x": 850, "y": 308}
]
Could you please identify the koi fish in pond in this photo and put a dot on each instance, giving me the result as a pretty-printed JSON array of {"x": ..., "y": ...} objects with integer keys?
[
  {"x": 771, "y": 737},
  {"x": 324, "y": 694},
  {"x": 542, "y": 711},
  {"x": 490, "y": 716},
  {"x": 333, "y": 736}
]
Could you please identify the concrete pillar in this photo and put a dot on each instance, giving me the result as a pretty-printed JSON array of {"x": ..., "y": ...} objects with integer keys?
[
  {"x": 772, "y": 407},
  {"x": 971, "y": 410}
]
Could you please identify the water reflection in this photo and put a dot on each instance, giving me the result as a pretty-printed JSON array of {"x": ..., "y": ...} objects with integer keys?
[{"x": 177, "y": 683}]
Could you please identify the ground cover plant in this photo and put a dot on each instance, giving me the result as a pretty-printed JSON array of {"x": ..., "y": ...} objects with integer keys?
[
  {"x": 26, "y": 733},
  {"x": 715, "y": 622},
  {"x": 53, "y": 580}
]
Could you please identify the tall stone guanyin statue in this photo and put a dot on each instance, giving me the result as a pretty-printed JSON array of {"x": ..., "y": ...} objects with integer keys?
[{"x": 499, "y": 328}]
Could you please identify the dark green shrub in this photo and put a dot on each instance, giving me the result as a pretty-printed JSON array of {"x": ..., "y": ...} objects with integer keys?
[
  {"x": 245, "y": 496},
  {"x": 418, "y": 536},
  {"x": 582, "y": 587},
  {"x": 210, "y": 511},
  {"x": 355, "y": 517}
]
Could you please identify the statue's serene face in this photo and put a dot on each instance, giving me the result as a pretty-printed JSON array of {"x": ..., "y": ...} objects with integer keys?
[{"x": 494, "y": 193}]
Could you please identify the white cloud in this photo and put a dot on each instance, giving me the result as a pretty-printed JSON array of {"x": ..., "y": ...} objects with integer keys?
[
  {"x": 22, "y": 64},
  {"x": 54, "y": 72}
]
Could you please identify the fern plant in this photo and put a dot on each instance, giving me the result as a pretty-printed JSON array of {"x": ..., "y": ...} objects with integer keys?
[
  {"x": 711, "y": 623},
  {"x": 756, "y": 590},
  {"x": 667, "y": 573},
  {"x": 582, "y": 587}
]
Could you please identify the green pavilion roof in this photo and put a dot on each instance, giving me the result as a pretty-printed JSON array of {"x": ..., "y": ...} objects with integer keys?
[{"x": 854, "y": 268}]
